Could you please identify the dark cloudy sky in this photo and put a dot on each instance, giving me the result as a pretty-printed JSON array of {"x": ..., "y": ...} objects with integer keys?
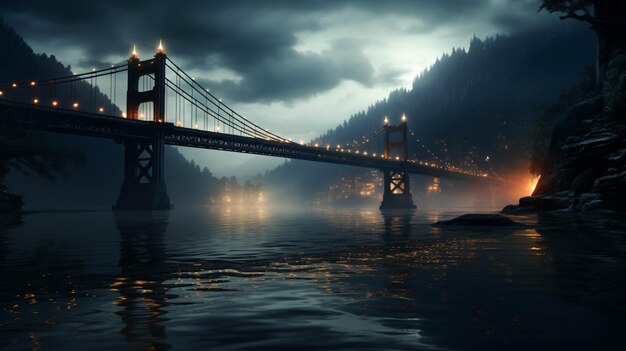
[{"x": 295, "y": 67}]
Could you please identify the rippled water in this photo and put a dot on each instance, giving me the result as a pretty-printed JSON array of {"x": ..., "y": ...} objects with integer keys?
[{"x": 259, "y": 279}]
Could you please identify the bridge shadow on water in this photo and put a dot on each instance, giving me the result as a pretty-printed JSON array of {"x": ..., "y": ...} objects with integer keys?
[{"x": 143, "y": 270}]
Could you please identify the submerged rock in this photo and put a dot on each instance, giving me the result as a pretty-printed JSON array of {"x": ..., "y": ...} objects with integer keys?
[{"x": 485, "y": 220}]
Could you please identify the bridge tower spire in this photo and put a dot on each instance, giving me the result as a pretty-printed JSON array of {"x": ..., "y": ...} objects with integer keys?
[
  {"x": 396, "y": 182},
  {"x": 144, "y": 184}
]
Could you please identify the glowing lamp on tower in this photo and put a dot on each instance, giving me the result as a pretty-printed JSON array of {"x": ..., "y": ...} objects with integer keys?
[{"x": 160, "y": 49}]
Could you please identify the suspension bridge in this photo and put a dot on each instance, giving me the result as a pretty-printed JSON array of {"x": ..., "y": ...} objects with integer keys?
[{"x": 166, "y": 106}]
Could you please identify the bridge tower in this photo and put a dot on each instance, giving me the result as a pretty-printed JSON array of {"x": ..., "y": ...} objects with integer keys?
[
  {"x": 144, "y": 184},
  {"x": 396, "y": 182}
]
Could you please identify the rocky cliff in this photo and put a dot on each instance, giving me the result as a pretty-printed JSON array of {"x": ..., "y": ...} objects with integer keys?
[{"x": 586, "y": 168}]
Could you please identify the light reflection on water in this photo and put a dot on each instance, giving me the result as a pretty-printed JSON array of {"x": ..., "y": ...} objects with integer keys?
[{"x": 233, "y": 278}]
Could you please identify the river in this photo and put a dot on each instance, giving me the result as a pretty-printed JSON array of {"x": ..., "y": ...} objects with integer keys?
[{"x": 310, "y": 279}]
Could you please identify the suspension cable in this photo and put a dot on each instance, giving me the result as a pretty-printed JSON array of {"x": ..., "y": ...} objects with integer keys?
[
  {"x": 233, "y": 113},
  {"x": 66, "y": 79}
]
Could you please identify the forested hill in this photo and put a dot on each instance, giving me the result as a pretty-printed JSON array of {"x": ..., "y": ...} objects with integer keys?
[
  {"x": 97, "y": 183},
  {"x": 471, "y": 103}
]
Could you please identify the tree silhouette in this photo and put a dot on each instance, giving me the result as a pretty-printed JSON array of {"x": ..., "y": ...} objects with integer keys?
[
  {"x": 607, "y": 19},
  {"x": 26, "y": 153}
]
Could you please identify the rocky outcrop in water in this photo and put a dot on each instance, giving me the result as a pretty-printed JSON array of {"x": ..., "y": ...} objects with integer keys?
[{"x": 480, "y": 220}]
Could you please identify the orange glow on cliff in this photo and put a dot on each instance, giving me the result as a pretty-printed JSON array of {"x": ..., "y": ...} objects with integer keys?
[{"x": 532, "y": 183}]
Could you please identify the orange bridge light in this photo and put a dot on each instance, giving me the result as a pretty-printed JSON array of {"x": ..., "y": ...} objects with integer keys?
[{"x": 160, "y": 49}]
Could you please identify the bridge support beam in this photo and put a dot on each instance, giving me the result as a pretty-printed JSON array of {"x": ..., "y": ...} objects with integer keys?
[
  {"x": 397, "y": 194},
  {"x": 144, "y": 187},
  {"x": 396, "y": 182},
  {"x": 144, "y": 160}
]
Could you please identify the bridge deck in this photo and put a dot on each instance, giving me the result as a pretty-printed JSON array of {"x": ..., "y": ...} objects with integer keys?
[{"x": 117, "y": 128}]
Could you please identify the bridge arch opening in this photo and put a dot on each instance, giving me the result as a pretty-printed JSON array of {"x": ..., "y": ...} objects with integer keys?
[
  {"x": 145, "y": 111},
  {"x": 146, "y": 83}
]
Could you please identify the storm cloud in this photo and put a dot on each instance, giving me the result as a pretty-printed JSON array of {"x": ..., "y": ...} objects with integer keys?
[{"x": 254, "y": 44}]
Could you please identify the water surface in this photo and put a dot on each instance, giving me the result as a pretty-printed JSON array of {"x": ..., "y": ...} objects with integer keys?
[{"x": 261, "y": 279}]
